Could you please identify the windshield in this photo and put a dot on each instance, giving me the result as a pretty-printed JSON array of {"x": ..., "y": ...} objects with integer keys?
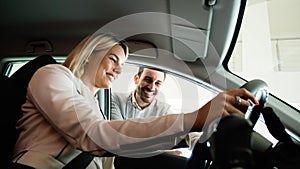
[{"x": 268, "y": 47}]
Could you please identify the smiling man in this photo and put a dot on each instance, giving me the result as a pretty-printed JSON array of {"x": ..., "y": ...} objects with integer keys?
[{"x": 142, "y": 102}]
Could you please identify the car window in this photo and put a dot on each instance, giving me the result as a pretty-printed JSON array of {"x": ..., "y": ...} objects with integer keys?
[
  {"x": 268, "y": 47},
  {"x": 12, "y": 66},
  {"x": 176, "y": 91}
]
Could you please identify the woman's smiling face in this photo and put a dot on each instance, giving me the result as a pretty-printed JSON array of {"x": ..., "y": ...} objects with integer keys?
[{"x": 110, "y": 67}]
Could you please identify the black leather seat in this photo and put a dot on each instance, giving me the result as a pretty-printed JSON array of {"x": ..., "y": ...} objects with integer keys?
[{"x": 13, "y": 95}]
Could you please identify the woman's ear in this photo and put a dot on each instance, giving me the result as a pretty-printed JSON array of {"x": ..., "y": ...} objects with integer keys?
[{"x": 87, "y": 60}]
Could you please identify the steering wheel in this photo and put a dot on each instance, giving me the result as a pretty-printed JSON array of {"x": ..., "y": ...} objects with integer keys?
[
  {"x": 230, "y": 144},
  {"x": 260, "y": 90}
]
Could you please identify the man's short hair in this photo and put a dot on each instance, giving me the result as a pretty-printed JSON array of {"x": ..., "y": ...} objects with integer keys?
[{"x": 141, "y": 69}]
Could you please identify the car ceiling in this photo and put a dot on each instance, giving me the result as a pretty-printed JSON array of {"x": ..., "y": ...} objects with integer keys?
[{"x": 63, "y": 24}]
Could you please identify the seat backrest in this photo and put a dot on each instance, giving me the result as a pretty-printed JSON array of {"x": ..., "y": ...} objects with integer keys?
[{"x": 13, "y": 95}]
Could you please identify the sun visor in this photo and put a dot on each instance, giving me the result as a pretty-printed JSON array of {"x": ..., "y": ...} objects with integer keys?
[
  {"x": 190, "y": 36},
  {"x": 143, "y": 49},
  {"x": 189, "y": 43}
]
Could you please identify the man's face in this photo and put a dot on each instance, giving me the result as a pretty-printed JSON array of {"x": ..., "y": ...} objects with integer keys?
[{"x": 147, "y": 86}]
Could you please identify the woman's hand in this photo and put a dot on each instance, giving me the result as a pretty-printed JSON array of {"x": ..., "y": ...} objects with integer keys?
[
  {"x": 225, "y": 103},
  {"x": 232, "y": 101}
]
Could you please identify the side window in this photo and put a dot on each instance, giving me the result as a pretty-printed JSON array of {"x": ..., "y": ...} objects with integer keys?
[
  {"x": 12, "y": 67},
  {"x": 178, "y": 92}
]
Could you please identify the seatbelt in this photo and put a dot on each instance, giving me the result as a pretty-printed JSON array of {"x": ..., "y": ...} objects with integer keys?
[{"x": 81, "y": 161}]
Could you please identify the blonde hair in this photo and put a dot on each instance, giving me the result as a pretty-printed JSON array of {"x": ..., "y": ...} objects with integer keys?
[{"x": 76, "y": 60}]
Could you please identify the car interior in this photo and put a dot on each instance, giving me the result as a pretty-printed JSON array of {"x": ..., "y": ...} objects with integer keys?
[{"x": 201, "y": 44}]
